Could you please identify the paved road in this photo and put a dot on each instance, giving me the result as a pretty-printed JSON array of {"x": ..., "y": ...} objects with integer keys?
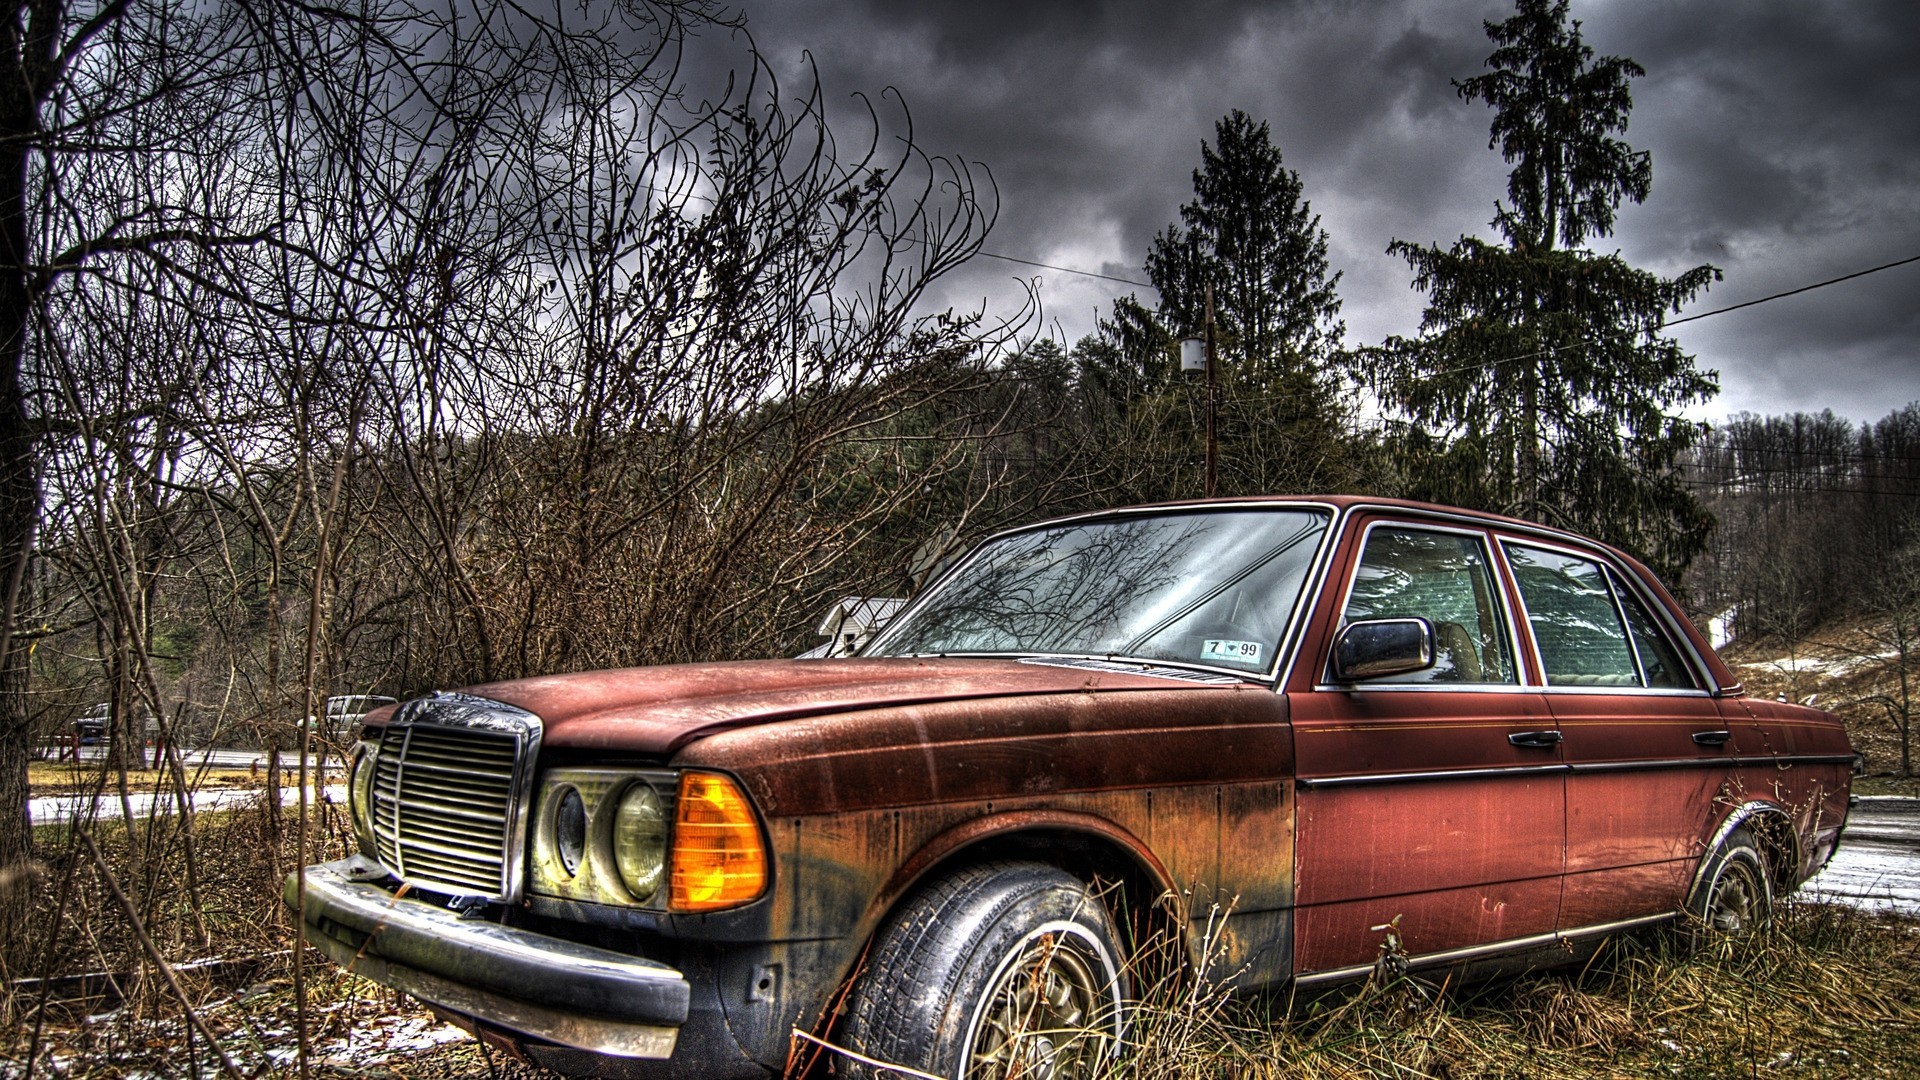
[
  {"x": 50, "y": 808},
  {"x": 1878, "y": 865},
  {"x": 220, "y": 759}
]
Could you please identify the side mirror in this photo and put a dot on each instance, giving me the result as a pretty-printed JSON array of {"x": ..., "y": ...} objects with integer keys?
[{"x": 1377, "y": 648}]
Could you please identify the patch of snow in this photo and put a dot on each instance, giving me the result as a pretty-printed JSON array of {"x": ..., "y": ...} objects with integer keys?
[
  {"x": 1788, "y": 664},
  {"x": 47, "y": 809},
  {"x": 373, "y": 1042},
  {"x": 1720, "y": 628},
  {"x": 1834, "y": 668}
]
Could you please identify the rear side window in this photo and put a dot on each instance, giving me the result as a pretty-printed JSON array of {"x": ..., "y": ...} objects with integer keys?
[
  {"x": 1443, "y": 578},
  {"x": 1660, "y": 664},
  {"x": 1590, "y": 630}
]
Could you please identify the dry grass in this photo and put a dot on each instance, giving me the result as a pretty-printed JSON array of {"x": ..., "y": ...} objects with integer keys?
[
  {"x": 73, "y": 778},
  {"x": 1825, "y": 992},
  {"x": 227, "y": 906},
  {"x": 1908, "y": 788}
]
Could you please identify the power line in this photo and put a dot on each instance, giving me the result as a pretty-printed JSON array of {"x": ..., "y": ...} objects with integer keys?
[
  {"x": 1064, "y": 269},
  {"x": 1467, "y": 367},
  {"x": 1798, "y": 291},
  {"x": 1491, "y": 363},
  {"x": 1721, "y": 450},
  {"x": 1552, "y": 349},
  {"x": 1737, "y": 473},
  {"x": 1527, "y": 356}
]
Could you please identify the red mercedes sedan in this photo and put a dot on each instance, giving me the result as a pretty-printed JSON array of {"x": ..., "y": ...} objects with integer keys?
[{"x": 1272, "y": 731}]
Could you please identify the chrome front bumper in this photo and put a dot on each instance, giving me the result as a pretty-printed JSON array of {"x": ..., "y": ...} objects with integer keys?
[{"x": 559, "y": 991}]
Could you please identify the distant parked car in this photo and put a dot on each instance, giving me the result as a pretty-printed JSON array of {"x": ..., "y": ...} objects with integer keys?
[
  {"x": 94, "y": 726},
  {"x": 91, "y": 726},
  {"x": 345, "y": 711},
  {"x": 1275, "y": 731}
]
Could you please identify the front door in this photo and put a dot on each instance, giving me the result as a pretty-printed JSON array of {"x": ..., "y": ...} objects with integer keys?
[{"x": 1436, "y": 798}]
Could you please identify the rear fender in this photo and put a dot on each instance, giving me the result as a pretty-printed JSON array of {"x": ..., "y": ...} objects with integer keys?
[{"x": 1772, "y": 828}]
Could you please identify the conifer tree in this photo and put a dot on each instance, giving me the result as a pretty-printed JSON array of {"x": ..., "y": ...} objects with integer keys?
[
  {"x": 1250, "y": 233},
  {"x": 1540, "y": 383}
]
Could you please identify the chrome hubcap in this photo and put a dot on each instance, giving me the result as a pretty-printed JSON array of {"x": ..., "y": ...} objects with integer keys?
[
  {"x": 1046, "y": 1018},
  {"x": 1736, "y": 900}
]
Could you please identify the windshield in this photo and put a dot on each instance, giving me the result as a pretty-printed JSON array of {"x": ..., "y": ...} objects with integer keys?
[{"x": 1199, "y": 587}]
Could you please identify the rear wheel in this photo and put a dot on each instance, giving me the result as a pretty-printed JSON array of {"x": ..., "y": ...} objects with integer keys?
[
  {"x": 1735, "y": 894},
  {"x": 999, "y": 971}
]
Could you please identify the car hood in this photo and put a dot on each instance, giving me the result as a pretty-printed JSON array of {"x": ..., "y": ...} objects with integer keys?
[{"x": 657, "y": 710}]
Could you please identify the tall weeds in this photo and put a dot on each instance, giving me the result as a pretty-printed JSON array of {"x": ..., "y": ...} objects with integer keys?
[{"x": 1824, "y": 991}]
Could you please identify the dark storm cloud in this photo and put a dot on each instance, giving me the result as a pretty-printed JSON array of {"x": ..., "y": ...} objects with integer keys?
[
  {"x": 1787, "y": 139},
  {"x": 1785, "y": 135}
]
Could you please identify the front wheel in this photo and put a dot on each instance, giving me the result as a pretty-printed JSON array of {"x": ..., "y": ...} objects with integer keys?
[{"x": 999, "y": 971}]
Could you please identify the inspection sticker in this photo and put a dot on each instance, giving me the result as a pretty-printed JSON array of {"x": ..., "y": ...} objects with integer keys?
[{"x": 1238, "y": 652}]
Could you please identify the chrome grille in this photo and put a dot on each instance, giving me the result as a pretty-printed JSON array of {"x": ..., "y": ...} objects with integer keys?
[{"x": 450, "y": 794}]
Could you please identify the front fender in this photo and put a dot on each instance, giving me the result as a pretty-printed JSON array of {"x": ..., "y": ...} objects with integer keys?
[{"x": 945, "y": 846}]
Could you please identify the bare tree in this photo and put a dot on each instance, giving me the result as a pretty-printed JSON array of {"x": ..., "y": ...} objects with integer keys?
[
  {"x": 91, "y": 97},
  {"x": 1892, "y": 631},
  {"x": 400, "y": 345}
]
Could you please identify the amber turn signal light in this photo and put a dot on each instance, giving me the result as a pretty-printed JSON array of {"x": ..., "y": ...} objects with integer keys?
[{"x": 719, "y": 860}]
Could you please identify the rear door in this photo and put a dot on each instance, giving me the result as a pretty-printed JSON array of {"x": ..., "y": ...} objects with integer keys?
[
  {"x": 1645, "y": 745},
  {"x": 1435, "y": 798}
]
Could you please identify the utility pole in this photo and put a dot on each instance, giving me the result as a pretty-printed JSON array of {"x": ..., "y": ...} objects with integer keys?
[
  {"x": 1213, "y": 397},
  {"x": 1197, "y": 353}
]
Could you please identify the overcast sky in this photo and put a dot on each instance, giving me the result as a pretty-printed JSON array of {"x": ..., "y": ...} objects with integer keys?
[{"x": 1785, "y": 137}]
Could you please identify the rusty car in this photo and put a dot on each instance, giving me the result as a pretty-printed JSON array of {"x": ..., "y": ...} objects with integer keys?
[{"x": 1269, "y": 731}]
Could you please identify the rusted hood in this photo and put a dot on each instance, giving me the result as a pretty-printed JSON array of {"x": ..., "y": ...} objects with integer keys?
[{"x": 657, "y": 710}]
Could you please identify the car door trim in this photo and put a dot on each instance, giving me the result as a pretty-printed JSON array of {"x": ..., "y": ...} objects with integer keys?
[
  {"x": 1711, "y": 762},
  {"x": 1492, "y": 949},
  {"x": 1357, "y": 779},
  {"x": 1777, "y": 761}
]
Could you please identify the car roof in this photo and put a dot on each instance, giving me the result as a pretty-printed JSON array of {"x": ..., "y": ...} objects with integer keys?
[{"x": 1338, "y": 503}]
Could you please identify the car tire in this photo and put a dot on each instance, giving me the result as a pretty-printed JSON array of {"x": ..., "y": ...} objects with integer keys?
[
  {"x": 999, "y": 970},
  {"x": 1735, "y": 893}
]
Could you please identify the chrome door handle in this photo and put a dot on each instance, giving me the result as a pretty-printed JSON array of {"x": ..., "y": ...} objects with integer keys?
[
  {"x": 1537, "y": 739},
  {"x": 1712, "y": 738}
]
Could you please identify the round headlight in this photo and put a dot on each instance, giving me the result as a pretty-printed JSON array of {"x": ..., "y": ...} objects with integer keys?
[
  {"x": 570, "y": 830},
  {"x": 640, "y": 841},
  {"x": 360, "y": 800}
]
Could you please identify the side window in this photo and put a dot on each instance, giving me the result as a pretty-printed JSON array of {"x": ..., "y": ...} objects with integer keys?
[
  {"x": 1443, "y": 578},
  {"x": 1575, "y": 616},
  {"x": 1660, "y": 663}
]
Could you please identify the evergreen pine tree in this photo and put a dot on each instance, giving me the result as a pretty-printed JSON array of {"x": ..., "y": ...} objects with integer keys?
[
  {"x": 1540, "y": 383},
  {"x": 1250, "y": 233}
]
